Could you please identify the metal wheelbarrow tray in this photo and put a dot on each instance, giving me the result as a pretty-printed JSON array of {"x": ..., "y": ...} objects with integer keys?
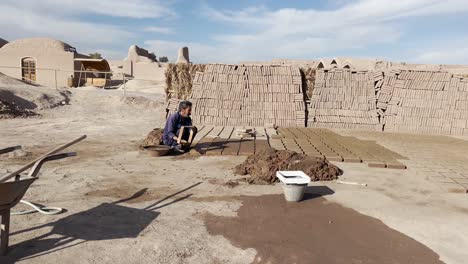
[{"x": 11, "y": 192}]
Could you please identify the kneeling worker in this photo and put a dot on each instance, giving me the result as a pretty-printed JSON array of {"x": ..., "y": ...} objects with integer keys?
[{"x": 173, "y": 125}]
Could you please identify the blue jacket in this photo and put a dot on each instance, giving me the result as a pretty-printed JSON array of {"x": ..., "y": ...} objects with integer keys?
[{"x": 173, "y": 124}]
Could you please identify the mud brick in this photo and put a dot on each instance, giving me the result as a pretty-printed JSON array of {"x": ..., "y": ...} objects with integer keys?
[
  {"x": 334, "y": 158},
  {"x": 374, "y": 164},
  {"x": 216, "y": 147},
  {"x": 261, "y": 145},
  {"x": 247, "y": 147},
  {"x": 396, "y": 165},
  {"x": 352, "y": 160},
  {"x": 453, "y": 187},
  {"x": 231, "y": 147}
]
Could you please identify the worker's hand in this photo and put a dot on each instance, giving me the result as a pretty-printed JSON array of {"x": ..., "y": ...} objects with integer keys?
[{"x": 175, "y": 138}]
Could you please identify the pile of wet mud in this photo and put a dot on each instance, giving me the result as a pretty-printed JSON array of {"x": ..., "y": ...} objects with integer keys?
[{"x": 262, "y": 167}]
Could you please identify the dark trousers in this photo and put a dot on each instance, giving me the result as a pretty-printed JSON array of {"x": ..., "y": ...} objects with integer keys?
[{"x": 185, "y": 136}]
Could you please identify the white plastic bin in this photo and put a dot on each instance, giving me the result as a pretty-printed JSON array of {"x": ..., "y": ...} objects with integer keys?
[{"x": 294, "y": 184}]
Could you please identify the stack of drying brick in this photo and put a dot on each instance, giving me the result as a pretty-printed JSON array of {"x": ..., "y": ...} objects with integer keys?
[
  {"x": 344, "y": 99},
  {"x": 171, "y": 107},
  {"x": 424, "y": 102},
  {"x": 233, "y": 95}
]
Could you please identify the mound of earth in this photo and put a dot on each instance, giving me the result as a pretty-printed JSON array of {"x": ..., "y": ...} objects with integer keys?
[
  {"x": 21, "y": 98},
  {"x": 8, "y": 110},
  {"x": 262, "y": 166},
  {"x": 154, "y": 138}
]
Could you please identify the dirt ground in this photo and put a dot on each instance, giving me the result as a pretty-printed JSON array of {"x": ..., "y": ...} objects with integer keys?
[{"x": 123, "y": 206}]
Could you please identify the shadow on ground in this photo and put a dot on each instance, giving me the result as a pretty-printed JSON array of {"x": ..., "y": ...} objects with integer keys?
[{"x": 107, "y": 221}]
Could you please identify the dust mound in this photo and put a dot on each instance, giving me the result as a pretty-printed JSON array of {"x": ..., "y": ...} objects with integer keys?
[
  {"x": 143, "y": 102},
  {"x": 262, "y": 166},
  {"x": 154, "y": 138},
  {"x": 17, "y": 95},
  {"x": 8, "y": 110}
]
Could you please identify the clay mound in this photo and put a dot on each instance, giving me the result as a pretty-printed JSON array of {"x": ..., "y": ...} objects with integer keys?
[
  {"x": 8, "y": 110},
  {"x": 25, "y": 96},
  {"x": 154, "y": 138},
  {"x": 262, "y": 166}
]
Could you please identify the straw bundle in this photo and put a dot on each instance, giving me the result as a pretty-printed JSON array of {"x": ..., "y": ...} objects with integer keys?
[{"x": 179, "y": 79}]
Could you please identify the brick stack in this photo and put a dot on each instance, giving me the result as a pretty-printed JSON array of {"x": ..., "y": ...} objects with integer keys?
[
  {"x": 233, "y": 95},
  {"x": 425, "y": 102},
  {"x": 344, "y": 99},
  {"x": 172, "y": 106}
]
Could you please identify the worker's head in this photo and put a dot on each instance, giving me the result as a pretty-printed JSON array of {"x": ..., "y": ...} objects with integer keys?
[{"x": 185, "y": 108}]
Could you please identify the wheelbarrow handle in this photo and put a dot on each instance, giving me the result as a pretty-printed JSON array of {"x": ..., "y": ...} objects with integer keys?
[
  {"x": 9, "y": 149},
  {"x": 29, "y": 165},
  {"x": 38, "y": 165}
]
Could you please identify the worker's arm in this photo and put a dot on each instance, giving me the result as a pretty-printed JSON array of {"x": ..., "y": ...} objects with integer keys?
[{"x": 171, "y": 126}]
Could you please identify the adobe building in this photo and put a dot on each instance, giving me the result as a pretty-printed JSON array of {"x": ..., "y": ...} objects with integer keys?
[{"x": 50, "y": 62}]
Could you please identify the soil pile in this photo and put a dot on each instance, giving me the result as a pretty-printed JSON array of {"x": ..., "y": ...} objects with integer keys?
[
  {"x": 8, "y": 110},
  {"x": 262, "y": 166},
  {"x": 154, "y": 138},
  {"x": 20, "y": 98}
]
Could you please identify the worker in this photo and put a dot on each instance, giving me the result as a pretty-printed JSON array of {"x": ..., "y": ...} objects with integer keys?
[{"x": 174, "y": 123}]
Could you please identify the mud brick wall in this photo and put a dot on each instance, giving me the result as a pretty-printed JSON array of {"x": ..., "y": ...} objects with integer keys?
[
  {"x": 233, "y": 95},
  {"x": 344, "y": 99},
  {"x": 424, "y": 102}
]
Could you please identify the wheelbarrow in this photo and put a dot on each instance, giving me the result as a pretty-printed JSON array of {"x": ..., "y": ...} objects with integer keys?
[{"x": 11, "y": 192}]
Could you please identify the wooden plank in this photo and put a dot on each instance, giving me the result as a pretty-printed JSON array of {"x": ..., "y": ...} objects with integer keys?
[
  {"x": 201, "y": 134},
  {"x": 206, "y": 141},
  {"x": 217, "y": 146}
]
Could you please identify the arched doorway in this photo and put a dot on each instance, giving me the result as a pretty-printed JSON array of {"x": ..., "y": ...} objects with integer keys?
[{"x": 28, "y": 72}]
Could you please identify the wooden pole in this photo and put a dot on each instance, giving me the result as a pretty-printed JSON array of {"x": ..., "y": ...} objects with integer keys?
[
  {"x": 55, "y": 76},
  {"x": 29, "y": 165},
  {"x": 124, "y": 87}
]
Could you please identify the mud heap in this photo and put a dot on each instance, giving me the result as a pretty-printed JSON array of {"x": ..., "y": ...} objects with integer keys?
[
  {"x": 9, "y": 110},
  {"x": 154, "y": 138},
  {"x": 262, "y": 166}
]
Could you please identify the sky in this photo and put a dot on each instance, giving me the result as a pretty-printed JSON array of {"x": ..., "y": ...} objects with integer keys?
[{"x": 412, "y": 31}]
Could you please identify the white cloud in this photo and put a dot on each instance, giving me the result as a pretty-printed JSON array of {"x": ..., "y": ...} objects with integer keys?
[
  {"x": 74, "y": 21},
  {"x": 117, "y": 8},
  {"x": 20, "y": 23},
  {"x": 262, "y": 33},
  {"x": 453, "y": 51},
  {"x": 162, "y": 30}
]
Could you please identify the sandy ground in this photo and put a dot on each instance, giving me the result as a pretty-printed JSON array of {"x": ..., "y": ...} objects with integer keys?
[{"x": 126, "y": 207}]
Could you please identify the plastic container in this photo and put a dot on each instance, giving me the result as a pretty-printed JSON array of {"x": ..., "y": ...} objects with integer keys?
[
  {"x": 294, "y": 192},
  {"x": 294, "y": 184}
]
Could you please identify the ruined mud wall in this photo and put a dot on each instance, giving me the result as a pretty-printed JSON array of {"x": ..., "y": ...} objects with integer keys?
[
  {"x": 233, "y": 95},
  {"x": 427, "y": 102}
]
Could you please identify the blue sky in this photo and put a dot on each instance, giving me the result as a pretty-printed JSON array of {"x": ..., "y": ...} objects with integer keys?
[{"x": 418, "y": 31}]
